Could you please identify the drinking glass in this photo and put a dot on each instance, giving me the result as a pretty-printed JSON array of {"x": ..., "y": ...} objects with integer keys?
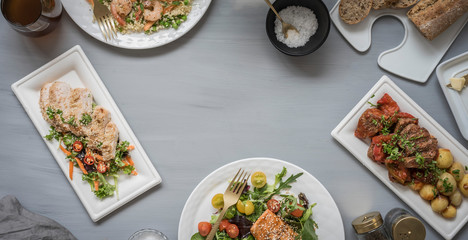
[{"x": 32, "y": 17}]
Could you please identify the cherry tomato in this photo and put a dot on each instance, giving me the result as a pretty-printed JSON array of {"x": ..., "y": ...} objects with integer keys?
[
  {"x": 101, "y": 167},
  {"x": 249, "y": 207},
  {"x": 77, "y": 146},
  {"x": 232, "y": 230},
  {"x": 88, "y": 160},
  {"x": 218, "y": 201},
  {"x": 273, "y": 205},
  {"x": 258, "y": 179},
  {"x": 240, "y": 206},
  {"x": 204, "y": 228},
  {"x": 224, "y": 224},
  {"x": 297, "y": 212},
  {"x": 388, "y": 105}
]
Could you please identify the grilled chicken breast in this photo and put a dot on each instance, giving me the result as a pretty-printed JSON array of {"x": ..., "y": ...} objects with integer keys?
[{"x": 72, "y": 111}]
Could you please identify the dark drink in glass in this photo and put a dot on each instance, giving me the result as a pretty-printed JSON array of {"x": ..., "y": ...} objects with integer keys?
[{"x": 32, "y": 17}]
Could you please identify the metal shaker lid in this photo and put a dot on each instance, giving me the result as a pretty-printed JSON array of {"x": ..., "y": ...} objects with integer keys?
[
  {"x": 408, "y": 228},
  {"x": 367, "y": 222}
]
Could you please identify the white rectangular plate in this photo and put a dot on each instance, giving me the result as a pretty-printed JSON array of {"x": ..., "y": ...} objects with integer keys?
[
  {"x": 458, "y": 101},
  {"x": 344, "y": 133},
  {"x": 73, "y": 67}
]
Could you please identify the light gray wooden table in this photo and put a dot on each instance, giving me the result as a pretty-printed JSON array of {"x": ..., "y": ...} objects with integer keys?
[{"x": 220, "y": 93}]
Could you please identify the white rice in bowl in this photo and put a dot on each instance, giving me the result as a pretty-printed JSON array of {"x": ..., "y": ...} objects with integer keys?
[{"x": 303, "y": 19}]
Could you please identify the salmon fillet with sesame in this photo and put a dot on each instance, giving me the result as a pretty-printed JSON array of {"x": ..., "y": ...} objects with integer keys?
[{"x": 270, "y": 227}]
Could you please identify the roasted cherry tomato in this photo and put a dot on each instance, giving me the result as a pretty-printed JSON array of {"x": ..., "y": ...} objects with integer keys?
[
  {"x": 224, "y": 224},
  {"x": 88, "y": 160},
  {"x": 232, "y": 230},
  {"x": 388, "y": 105},
  {"x": 258, "y": 179},
  {"x": 101, "y": 167},
  {"x": 204, "y": 228},
  {"x": 273, "y": 205},
  {"x": 77, "y": 146},
  {"x": 218, "y": 201},
  {"x": 297, "y": 212}
]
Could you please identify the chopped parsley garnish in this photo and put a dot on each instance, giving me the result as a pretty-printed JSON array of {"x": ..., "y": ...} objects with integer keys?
[
  {"x": 53, "y": 134},
  {"x": 85, "y": 119},
  {"x": 448, "y": 187}
]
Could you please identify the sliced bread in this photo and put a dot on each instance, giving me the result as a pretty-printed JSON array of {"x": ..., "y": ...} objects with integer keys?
[
  {"x": 403, "y": 3},
  {"x": 354, "y": 11},
  {"x": 380, "y": 4},
  {"x": 432, "y": 17}
]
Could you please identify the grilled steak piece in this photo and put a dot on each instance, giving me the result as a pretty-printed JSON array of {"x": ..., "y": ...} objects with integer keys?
[
  {"x": 403, "y": 122},
  {"x": 369, "y": 123},
  {"x": 416, "y": 139}
]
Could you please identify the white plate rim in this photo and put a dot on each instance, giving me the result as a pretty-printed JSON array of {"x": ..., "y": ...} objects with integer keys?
[
  {"x": 149, "y": 180},
  {"x": 336, "y": 219},
  {"x": 445, "y": 71},
  {"x": 447, "y": 228},
  {"x": 83, "y": 17}
]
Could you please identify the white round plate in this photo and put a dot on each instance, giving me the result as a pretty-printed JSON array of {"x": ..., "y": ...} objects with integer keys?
[
  {"x": 82, "y": 14},
  {"x": 198, "y": 206}
]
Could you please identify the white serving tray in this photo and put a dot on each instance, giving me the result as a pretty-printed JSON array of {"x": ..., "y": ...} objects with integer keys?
[
  {"x": 344, "y": 134},
  {"x": 458, "y": 101},
  {"x": 415, "y": 58},
  {"x": 74, "y": 68}
]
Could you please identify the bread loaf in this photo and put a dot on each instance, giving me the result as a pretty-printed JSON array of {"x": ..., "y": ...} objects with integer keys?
[
  {"x": 380, "y": 4},
  {"x": 403, "y": 3},
  {"x": 354, "y": 11},
  {"x": 432, "y": 17}
]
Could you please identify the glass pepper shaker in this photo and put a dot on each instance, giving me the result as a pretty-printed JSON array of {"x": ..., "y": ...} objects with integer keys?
[
  {"x": 401, "y": 225},
  {"x": 370, "y": 226}
]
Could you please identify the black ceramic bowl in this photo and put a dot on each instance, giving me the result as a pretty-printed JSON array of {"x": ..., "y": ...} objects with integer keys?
[{"x": 315, "y": 41}]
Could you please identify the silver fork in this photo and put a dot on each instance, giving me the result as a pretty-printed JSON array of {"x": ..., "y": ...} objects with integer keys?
[
  {"x": 231, "y": 196},
  {"x": 104, "y": 19}
]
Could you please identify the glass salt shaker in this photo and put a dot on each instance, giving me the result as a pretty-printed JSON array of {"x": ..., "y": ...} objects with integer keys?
[
  {"x": 401, "y": 225},
  {"x": 370, "y": 226}
]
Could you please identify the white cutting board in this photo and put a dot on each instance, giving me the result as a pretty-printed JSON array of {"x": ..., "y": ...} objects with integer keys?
[{"x": 415, "y": 58}]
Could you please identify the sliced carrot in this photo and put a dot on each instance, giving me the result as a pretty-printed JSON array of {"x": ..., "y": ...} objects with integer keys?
[
  {"x": 148, "y": 25},
  {"x": 98, "y": 157},
  {"x": 91, "y": 2},
  {"x": 130, "y": 160},
  {"x": 96, "y": 185},
  {"x": 130, "y": 148},
  {"x": 80, "y": 164},
  {"x": 70, "y": 170},
  {"x": 65, "y": 150},
  {"x": 134, "y": 172}
]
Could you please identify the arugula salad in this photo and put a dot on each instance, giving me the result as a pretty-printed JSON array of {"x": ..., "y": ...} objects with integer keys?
[
  {"x": 242, "y": 220},
  {"x": 94, "y": 169}
]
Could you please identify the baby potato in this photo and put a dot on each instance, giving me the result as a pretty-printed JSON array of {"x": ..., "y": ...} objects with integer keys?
[
  {"x": 416, "y": 185},
  {"x": 445, "y": 158},
  {"x": 456, "y": 198},
  {"x": 457, "y": 171},
  {"x": 446, "y": 184},
  {"x": 439, "y": 204},
  {"x": 449, "y": 212},
  {"x": 463, "y": 185},
  {"x": 428, "y": 192}
]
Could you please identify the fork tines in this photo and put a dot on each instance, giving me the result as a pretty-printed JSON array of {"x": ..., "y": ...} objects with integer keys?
[
  {"x": 239, "y": 181},
  {"x": 107, "y": 26}
]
